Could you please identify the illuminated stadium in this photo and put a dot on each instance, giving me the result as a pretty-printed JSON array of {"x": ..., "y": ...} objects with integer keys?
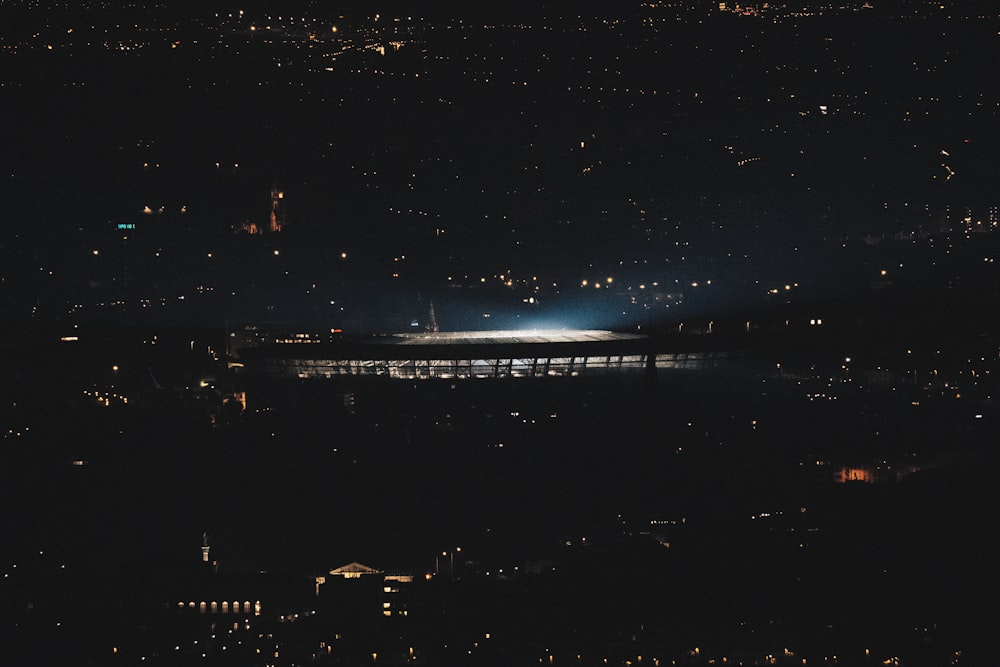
[{"x": 461, "y": 354}]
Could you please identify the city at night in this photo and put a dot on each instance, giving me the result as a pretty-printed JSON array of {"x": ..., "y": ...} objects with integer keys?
[{"x": 531, "y": 333}]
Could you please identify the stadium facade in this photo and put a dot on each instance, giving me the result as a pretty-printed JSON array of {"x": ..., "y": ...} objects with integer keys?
[{"x": 463, "y": 354}]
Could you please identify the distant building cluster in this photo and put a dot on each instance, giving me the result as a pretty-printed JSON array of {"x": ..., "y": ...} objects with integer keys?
[{"x": 276, "y": 220}]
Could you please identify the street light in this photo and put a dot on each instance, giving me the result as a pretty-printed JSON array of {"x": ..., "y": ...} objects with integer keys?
[{"x": 451, "y": 561}]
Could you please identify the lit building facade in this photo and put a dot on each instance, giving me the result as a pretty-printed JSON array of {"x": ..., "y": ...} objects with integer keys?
[{"x": 470, "y": 355}]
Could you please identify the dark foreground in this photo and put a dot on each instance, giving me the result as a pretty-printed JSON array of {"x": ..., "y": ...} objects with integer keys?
[{"x": 586, "y": 521}]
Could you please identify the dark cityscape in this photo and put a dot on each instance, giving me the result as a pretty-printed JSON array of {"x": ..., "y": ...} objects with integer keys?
[{"x": 531, "y": 333}]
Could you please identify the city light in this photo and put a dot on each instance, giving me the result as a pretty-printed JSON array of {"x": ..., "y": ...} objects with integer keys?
[{"x": 619, "y": 306}]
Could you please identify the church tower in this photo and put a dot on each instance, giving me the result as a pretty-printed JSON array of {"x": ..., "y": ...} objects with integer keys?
[{"x": 277, "y": 220}]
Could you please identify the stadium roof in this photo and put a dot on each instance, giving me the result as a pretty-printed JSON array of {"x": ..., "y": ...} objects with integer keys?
[
  {"x": 513, "y": 337},
  {"x": 456, "y": 344}
]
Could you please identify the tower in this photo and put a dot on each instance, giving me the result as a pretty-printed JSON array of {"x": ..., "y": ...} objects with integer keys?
[
  {"x": 204, "y": 547},
  {"x": 277, "y": 211},
  {"x": 432, "y": 325}
]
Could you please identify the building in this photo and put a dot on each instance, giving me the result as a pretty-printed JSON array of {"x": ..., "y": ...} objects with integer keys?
[
  {"x": 363, "y": 591},
  {"x": 464, "y": 355}
]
